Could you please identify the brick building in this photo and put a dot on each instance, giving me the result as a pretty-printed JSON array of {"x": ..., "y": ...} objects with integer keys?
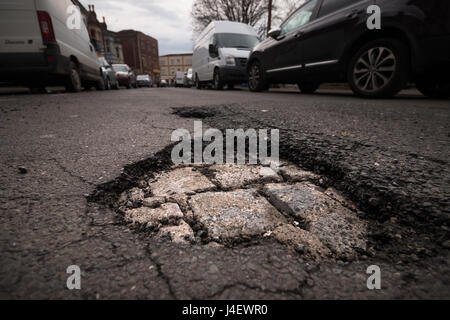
[
  {"x": 172, "y": 63},
  {"x": 105, "y": 42},
  {"x": 141, "y": 52}
]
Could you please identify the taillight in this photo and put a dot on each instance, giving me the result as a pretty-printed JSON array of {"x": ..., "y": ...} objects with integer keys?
[{"x": 45, "y": 21}]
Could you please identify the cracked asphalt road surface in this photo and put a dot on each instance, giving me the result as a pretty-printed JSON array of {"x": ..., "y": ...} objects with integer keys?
[{"x": 56, "y": 149}]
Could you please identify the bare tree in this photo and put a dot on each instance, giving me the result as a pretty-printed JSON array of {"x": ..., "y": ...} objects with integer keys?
[{"x": 252, "y": 12}]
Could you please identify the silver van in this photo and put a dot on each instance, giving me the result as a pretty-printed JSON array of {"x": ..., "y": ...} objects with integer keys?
[{"x": 38, "y": 46}]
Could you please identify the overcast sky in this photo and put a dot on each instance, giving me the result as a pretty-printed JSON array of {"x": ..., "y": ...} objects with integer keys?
[{"x": 168, "y": 21}]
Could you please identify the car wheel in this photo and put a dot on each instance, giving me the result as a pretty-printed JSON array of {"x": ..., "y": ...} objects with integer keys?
[
  {"x": 255, "y": 75},
  {"x": 74, "y": 80},
  {"x": 217, "y": 80},
  {"x": 308, "y": 87},
  {"x": 230, "y": 86},
  {"x": 198, "y": 85},
  {"x": 433, "y": 89},
  {"x": 117, "y": 85},
  {"x": 379, "y": 69},
  {"x": 100, "y": 85}
]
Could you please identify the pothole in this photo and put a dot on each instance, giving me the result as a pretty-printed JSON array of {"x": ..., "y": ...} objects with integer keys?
[{"x": 229, "y": 205}]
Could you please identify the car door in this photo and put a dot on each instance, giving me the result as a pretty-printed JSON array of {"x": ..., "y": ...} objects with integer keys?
[
  {"x": 322, "y": 42},
  {"x": 283, "y": 63}
]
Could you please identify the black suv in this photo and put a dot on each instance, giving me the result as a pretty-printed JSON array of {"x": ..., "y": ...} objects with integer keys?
[{"x": 332, "y": 41}]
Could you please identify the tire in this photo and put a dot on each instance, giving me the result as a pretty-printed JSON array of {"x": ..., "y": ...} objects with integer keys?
[
  {"x": 230, "y": 86},
  {"x": 432, "y": 89},
  {"x": 100, "y": 85},
  {"x": 380, "y": 69},
  {"x": 116, "y": 86},
  {"x": 255, "y": 77},
  {"x": 73, "y": 81},
  {"x": 308, "y": 87},
  {"x": 198, "y": 85},
  {"x": 217, "y": 80},
  {"x": 128, "y": 84}
]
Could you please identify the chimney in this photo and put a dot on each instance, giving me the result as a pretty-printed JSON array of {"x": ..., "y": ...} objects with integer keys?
[{"x": 104, "y": 20}]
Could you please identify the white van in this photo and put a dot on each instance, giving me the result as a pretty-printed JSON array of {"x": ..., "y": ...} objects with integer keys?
[
  {"x": 179, "y": 79},
  {"x": 37, "y": 48},
  {"x": 221, "y": 53}
]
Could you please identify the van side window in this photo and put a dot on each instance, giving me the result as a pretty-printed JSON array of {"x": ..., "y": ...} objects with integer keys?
[{"x": 330, "y": 6}]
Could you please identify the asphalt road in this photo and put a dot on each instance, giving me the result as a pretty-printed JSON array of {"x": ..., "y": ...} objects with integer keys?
[{"x": 389, "y": 156}]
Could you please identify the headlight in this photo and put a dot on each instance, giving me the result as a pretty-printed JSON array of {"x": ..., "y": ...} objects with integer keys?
[{"x": 230, "y": 60}]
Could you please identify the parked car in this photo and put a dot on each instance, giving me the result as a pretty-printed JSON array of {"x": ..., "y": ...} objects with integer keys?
[
  {"x": 109, "y": 75},
  {"x": 38, "y": 49},
  {"x": 188, "y": 80},
  {"x": 221, "y": 53},
  {"x": 144, "y": 80},
  {"x": 179, "y": 79},
  {"x": 125, "y": 75},
  {"x": 163, "y": 84},
  {"x": 329, "y": 41}
]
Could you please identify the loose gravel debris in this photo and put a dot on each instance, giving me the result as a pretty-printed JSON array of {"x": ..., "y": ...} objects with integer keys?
[{"x": 230, "y": 205}]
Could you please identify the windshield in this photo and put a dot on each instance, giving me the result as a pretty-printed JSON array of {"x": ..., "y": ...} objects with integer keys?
[
  {"x": 142, "y": 77},
  {"x": 236, "y": 40},
  {"x": 120, "y": 68}
]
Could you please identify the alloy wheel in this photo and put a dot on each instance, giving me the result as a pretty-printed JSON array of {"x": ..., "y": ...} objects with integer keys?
[
  {"x": 374, "y": 69},
  {"x": 254, "y": 77}
]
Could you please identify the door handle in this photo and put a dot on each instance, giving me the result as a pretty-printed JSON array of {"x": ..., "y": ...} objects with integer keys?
[{"x": 299, "y": 34}]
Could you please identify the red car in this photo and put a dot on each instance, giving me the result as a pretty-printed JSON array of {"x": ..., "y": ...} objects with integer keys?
[{"x": 125, "y": 75}]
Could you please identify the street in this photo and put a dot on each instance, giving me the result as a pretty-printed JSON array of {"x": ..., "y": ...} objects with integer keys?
[{"x": 60, "y": 152}]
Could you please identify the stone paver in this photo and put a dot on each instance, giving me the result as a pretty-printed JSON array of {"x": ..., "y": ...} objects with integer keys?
[
  {"x": 341, "y": 231},
  {"x": 336, "y": 195},
  {"x": 180, "y": 181},
  {"x": 230, "y": 176},
  {"x": 302, "y": 241},
  {"x": 295, "y": 174},
  {"x": 234, "y": 215},
  {"x": 182, "y": 233},
  {"x": 168, "y": 213},
  {"x": 132, "y": 198},
  {"x": 301, "y": 201}
]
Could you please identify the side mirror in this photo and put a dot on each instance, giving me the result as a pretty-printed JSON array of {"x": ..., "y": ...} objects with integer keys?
[
  {"x": 274, "y": 33},
  {"x": 213, "y": 50}
]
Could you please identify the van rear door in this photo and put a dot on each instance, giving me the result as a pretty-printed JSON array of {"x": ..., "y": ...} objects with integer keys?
[{"x": 19, "y": 27}]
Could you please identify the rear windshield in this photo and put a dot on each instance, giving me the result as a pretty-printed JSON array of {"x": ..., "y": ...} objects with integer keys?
[
  {"x": 120, "y": 68},
  {"x": 236, "y": 40}
]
